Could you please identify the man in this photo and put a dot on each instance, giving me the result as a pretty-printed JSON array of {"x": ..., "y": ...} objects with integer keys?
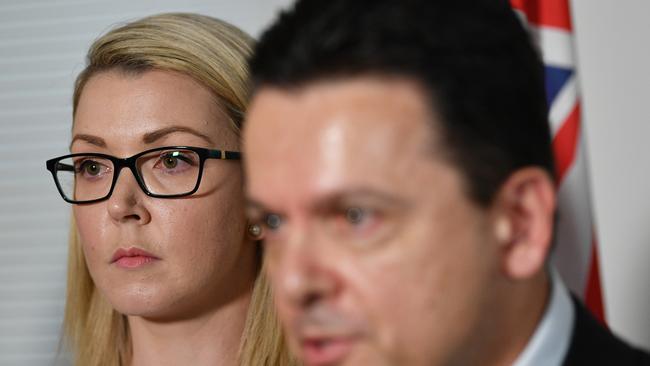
[{"x": 398, "y": 157}]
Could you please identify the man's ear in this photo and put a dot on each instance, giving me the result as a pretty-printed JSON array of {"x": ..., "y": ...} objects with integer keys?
[{"x": 523, "y": 212}]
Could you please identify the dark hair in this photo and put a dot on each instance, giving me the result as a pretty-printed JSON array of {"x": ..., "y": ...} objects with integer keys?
[{"x": 473, "y": 57}]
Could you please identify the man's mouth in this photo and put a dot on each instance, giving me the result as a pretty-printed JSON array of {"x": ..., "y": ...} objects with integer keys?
[{"x": 322, "y": 351}]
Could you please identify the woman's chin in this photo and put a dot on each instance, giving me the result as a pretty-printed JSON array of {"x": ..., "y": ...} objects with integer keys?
[{"x": 141, "y": 301}]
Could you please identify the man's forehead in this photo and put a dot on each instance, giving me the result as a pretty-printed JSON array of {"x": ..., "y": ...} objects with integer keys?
[
  {"x": 368, "y": 133},
  {"x": 402, "y": 102}
]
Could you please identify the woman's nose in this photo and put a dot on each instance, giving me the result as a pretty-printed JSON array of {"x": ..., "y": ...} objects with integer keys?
[{"x": 126, "y": 203}]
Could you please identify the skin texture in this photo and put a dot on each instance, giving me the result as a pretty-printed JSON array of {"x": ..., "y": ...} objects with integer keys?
[
  {"x": 378, "y": 256},
  {"x": 198, "y": 290}
]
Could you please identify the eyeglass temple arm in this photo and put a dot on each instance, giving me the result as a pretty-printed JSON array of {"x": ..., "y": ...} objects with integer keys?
[
  {"x": 64, "y": 167},
  {"x": 224, "y": 155}
]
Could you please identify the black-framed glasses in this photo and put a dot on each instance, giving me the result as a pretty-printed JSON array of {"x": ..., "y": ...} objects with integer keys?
[{"x": 164, "y": 172}]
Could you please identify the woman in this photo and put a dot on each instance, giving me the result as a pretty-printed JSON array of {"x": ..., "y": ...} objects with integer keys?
[{"x": 162, "y": 263}]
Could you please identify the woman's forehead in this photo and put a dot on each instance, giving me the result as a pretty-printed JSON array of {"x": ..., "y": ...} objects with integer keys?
[{"x": 125, "y": 107}]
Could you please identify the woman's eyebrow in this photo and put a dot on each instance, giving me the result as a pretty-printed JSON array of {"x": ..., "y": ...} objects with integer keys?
[
  {"x": 151, "y": 137},
  {"x": 94, "y": 140},
  {"x": 148, "y": 138}
]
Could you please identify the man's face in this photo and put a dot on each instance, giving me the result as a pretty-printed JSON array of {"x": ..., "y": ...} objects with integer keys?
[{"x": 375, "y": 254}]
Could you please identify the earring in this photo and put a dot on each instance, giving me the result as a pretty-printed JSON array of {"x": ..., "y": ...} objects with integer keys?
[{"x": 254, "y": 230}]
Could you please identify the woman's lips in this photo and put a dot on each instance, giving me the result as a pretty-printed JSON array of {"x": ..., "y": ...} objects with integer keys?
[{"x": 132, "y": 258}]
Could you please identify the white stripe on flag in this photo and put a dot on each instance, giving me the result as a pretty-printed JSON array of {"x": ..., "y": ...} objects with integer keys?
[
  {"x": 556, "y": 46},
  {"x": 563, "y": 104}
]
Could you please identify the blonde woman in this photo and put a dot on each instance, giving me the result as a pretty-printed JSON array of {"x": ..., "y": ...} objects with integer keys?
[{"x": 163, "y": 267}]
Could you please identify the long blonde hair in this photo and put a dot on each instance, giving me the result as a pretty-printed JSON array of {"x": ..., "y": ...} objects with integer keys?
[{"x": 213, "y": 53}]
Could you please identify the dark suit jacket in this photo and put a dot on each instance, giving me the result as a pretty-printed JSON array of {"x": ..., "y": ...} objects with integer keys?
[{"x": 594, "y": 345}]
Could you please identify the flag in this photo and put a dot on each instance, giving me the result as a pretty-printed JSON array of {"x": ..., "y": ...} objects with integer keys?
[{"x": 576, "y": 254}]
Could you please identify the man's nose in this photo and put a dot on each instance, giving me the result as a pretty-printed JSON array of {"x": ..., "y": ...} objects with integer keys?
[{"x": 304, "y": 274}]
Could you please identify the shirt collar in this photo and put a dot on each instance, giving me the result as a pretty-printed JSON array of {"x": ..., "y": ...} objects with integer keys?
[{"x": 550, "y": 342}]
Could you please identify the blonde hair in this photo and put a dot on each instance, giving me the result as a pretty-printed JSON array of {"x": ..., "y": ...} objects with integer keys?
[{"x": 213, "y": 53}]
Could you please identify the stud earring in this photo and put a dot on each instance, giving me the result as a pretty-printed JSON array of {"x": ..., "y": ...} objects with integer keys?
[{"x": 254, "y": 230}]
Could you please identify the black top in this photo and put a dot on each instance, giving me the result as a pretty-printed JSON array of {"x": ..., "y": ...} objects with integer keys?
[{"x": 592, "y": 344}]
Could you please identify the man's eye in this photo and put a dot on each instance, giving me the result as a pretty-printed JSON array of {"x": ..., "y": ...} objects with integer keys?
[
  {"x": 273, "y": 221},
  {"x": 355, "y": 220},
  {"x": 355, "y": 215}
]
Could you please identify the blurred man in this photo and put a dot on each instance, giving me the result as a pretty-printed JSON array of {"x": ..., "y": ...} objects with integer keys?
[{"x": 398, "y": 157}]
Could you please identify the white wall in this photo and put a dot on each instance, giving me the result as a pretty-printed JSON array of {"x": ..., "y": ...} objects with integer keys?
[
  {"x": 613, "y": 41},
  {"x": 42, "y": 45}
]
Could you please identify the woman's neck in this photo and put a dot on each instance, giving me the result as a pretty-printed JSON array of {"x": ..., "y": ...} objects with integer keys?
[{"x": 212, "y": 338}]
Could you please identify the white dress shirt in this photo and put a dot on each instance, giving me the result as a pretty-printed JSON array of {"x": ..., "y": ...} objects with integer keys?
[{"x": 550, "y": 343}]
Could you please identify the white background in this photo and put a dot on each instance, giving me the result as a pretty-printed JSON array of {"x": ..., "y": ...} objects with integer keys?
[
  {"x": 42, "y": 48},
  {"x": 613, "y": 39}
]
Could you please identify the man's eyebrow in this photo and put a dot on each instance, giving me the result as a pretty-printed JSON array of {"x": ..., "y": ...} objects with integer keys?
[
  {"x": 332, "y": 200},
  {"x": 251, "y": 204},
  {"x": 339, "y": 197},
  {"x": 151, "y": 137},
  {"x": 94, "y": 140}
]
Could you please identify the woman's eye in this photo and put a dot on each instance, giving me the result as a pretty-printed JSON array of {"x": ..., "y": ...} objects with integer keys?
[
  {"x": 170, "y": 162},
  {"x": 90, "y": 168},
  {"x": 176, "y": 161}
]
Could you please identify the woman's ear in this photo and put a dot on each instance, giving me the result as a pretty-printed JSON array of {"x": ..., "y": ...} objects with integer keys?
[{"x": 523, "y": 212}]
